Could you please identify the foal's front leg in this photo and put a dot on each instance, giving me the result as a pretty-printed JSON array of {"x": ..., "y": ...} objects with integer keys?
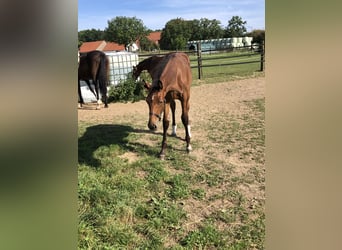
[{"x": 166, "y": 123}]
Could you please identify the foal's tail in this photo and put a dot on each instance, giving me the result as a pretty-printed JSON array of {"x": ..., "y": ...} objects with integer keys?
[{"x": 102, "y": 76}]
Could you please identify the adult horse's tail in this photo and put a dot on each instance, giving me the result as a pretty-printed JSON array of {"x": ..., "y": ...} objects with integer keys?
[{"x": 102, "y": 76}]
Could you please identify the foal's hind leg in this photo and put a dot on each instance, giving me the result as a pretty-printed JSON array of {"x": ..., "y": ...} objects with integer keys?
[
  {"x": 173, "y": 109},
  {"x": 185, "y": 120}
]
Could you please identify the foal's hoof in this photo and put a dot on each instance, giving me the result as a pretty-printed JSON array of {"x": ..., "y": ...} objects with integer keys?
[
  {"x": 189, "y": 148},
  {"x": 162, "y": 157}
]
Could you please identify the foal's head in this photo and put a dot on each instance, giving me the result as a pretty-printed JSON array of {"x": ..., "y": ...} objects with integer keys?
[
  {"x": 136, "y": 72},
  {"x": 156, "y": 102}
]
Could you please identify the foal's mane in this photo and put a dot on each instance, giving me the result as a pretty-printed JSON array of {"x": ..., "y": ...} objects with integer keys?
[{"x": 148, "y": 63}]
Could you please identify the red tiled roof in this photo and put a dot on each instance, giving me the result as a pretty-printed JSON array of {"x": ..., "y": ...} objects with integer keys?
[
  {"x": 89, "y": 46},
  {"x": 101, "y": 45},
  {"x": 113, "y": 46},
  {"x": 154, "y": 36}
]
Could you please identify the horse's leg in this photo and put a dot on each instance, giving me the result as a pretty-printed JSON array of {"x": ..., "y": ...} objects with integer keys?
[
  {"x": 80, "y": 93},
  {"x": 105, "y": 99},
  {"x": 166, "y": 123},
  {"x": 91, "y": 89},
  {"x": 104, "y": 93},
  {"x": 173, "y": 110},
  {"x": 185, "y": 120},
  {"x": 97, "y": 90},
  {"x": 101, "y": 88}
]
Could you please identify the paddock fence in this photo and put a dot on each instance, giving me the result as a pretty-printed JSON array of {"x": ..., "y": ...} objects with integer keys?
[{"x": 205, "y": 58}]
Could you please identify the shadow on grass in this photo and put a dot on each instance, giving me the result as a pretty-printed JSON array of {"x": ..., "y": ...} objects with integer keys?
[
  {"x": 112, "y": 134},
  {"x": 100, "y": 135}
]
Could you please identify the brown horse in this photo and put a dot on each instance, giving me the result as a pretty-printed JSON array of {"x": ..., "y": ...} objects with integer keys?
[
  {"x": 150, "y": 64},
  {"x": 171, "y": 79},
  {"x": 94, "y": 66}
]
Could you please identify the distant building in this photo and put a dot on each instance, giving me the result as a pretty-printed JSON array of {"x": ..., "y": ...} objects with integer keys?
[
  {"x": 221, "y": 43},
  {"x": 154, "y": 37},
  {"x": 115, "y": 47},
  {"x": 133, "y": 47},
  {"x": 102, "y": 46}
]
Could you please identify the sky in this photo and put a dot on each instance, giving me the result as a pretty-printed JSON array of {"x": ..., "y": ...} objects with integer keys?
[{"x": 155, "y": 14}]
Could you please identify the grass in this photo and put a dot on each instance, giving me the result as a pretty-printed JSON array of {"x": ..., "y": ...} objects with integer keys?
[
  {"x": 180, "y": 203},
  {"x": 229, "y": 72}
]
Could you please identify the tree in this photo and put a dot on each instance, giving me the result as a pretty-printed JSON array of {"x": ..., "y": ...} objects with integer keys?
[
  {"x": 147, "y": 45},
  {"x": 125, "y": 30},
  {"x": 258, "y": 36},
  {"x": 195, "y": 27},
  {"x": 175, "y": 35},
  {"x": 236, "y": 27},
  {"x": 90, "y": 35},
  {"x": 205, "y": 29}
]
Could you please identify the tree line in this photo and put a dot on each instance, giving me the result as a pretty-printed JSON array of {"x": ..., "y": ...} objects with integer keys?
[{"x": 174, "y": 36}]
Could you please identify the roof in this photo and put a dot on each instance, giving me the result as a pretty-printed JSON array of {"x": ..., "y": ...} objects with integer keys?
[
  {"x": 154, "y": 36},
  {"x": 101, "y": 45},
  {"x": 114, "y": 46},
  {"x": 89, "y": 46},
  {"x": 111, "y": 46}
]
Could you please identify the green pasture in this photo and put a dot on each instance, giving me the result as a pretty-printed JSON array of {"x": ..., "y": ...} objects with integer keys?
[
  {"x": 222, "y": 73},
  {"x": 129, "y": 199}
]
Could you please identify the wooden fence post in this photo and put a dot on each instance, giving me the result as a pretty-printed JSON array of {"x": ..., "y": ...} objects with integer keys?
[
  {"x": 199, "y": 60},
  {"x": 262, "y": 58}
]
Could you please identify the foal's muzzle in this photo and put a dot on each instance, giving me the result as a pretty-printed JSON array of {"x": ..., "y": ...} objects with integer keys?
[{"x": 153, "y": 126}]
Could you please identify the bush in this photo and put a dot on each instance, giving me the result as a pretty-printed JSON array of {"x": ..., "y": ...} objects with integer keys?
[{"x": 127, "y": 91}]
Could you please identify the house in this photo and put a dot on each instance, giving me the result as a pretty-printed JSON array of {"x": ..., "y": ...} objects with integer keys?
[
  {"x": 102, "y": 46},
  {"x": 112, "y": 46},
  {"x": 154, "y": 37}
]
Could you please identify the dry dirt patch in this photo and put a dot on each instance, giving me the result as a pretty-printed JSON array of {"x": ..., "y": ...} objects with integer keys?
[{"x": 205, "y": 99}]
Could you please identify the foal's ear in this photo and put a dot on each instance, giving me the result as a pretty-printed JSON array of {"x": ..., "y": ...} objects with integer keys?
[
  {"x": 146, "y": 85},
  {"x": 160, "y": 84}
]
